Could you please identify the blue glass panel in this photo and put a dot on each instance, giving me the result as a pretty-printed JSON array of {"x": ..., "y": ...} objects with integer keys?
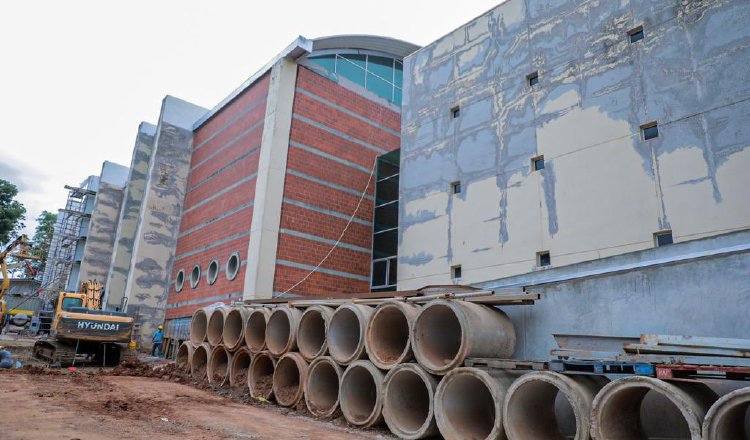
[
  {"x": 399, "y": 74},
  {"x": 327, "y": 61},
  {"x": 381, "y": 66},
  {"x": 380, "y": 87},
  {"x": 359, "y": 60},
  {"x": 397, "y": 96},
  {"x": 351, "y": 71}
]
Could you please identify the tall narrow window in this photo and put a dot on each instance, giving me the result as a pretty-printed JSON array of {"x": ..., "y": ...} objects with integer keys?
[
  {"x": 456, "y": 272},
  {"x": 456, "y": 187},
  {"x": 455, "y": 112}
]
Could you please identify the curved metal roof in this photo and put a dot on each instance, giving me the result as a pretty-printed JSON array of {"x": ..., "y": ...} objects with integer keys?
[{"x": 392, "y": 46}]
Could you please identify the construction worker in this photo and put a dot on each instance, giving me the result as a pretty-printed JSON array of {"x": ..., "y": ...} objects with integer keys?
[{"x": 158, "y": 338}]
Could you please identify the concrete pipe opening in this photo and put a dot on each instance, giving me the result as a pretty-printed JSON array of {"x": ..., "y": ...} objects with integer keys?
[
  {"x": 289, "y": 378},
  {"x": 346, "y": 331},
  {"x": 445, "y": 333},
  {"x": 408, "y": 408},
  {"x": 260, "y": 375},
  {"x": 281, "y": 330},
  {"x": 233, "y": 335},
  {"x": 184, "y": 354},
  {"x": 729, "y": 417},
  {"x": 311, "y": 334},
  {"x": 239, "y": 367},
  {"x": 255, "y": 330},
  {"x": 361, "y": 395},
  {"x": 387, "y": 337},
  {"x": 218, "y": 365},
  {"x": 215, "y": 329},
  {"x": 550, "y": 406},
  {"x": 322, "y": 387},
  {"x": 620, "y": 409},
  {"x": 199, "y": 361},
  {"x": 198, "y": 326}
]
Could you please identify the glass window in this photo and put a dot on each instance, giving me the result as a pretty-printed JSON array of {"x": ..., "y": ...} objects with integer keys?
[
  {"x": 351, "y": 71},
  {"x": 379, "y": 87},
  {"x": 70, "y": 302},
  {"x": 358, "y": 60},
  {"x": 327, "y": 61},
  {"x": 397, "y": 96},
  {"x": 381, "y": 66},
  {"x": 379, "y": 269},
  {"x": 399, "y": 74}
]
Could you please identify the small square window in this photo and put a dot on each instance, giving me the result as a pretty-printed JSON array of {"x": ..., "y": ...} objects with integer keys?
[
  {"x": 663, "y": 238},
  {"x": 543, "y": 259},
  {"x": 537, "y": 163},
  {"x": 456, "y": 272},
  {"x": 456, "y": 187},
  {"x": 636, "y": 34},
  {"x": 650, "y": 130},
  {"x": 455, "y": 112},
  {"x": 533, "y": 78}
]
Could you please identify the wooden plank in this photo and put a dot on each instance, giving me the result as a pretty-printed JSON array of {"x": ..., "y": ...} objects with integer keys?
[
  {"x": 696, "y": 351},
  {"x": 685, "y": 360},
  {"x": 696, "y": 341}
]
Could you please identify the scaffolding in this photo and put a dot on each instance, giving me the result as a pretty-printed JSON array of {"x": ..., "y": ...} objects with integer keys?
[{"x": 66, "y": 239}]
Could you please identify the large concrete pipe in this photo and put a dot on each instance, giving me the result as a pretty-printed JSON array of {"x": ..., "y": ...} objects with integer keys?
[
  {"x": 215, "y": 329},
  {"x": 218, "y": 365},
  {"x": 729, "y": 417},
  {"x": 281, "y": 330},
  {"x": 536, "y": 402},
  {"x": 361, "y": 394},
  {"x": 469, "y": 403},
  {"x": 447, "y": 332},
  {"x": 199, "y": 361},
  {"x": 238, "y": 369},
  {"x": 311, "y": 333},
  {"x": 616, "y": 411},
  {"x": 322, "y": 387},
  {"x": 255, "y": 329},
  {"x": 260, "y": 375},
  {"x": 289, "y": 379},
  {"x": 346, "y": 333},
  {"x": 184, "y": 355},
  {"x": 387, "y": 337},
  {"x": 198, "y": 325},
  {"x": 408, "y": 402},
  {"x": 233, "y": 335}
]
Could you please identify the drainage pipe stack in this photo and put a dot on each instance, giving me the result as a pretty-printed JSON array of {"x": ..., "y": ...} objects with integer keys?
[
  {"x": 311, "y": 333},
  {"x": 215, "y": 328},
  {"x": 729, "y": 417},
  {"x": 255, "y": 329},
  {"x": 409, "y": 402},
  {"x": 322, "y": 386},
  {"x": 218, "y": 365},
  {"x": 238, "y": 369},
  {"x": 361, "y": 394},
  {"x": 199, "y": 361},
  {"x": 387, "y": 336},
  {"x": 233, "y": 334},
  {"x": 289, "y": 379},
  {"x": 260, "y": 375},
  {"x": 184, "y": 356},
  {"x": 346, "y": 333},
  {"x": 281, "y": 330}
]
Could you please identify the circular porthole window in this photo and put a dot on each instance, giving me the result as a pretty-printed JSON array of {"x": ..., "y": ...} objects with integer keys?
[
  {"x": 195, "y": 276},
  {"x": 179, "y": 281},
  {"x": 233, "y": 266},
  {"x": 212, "y": 272}
]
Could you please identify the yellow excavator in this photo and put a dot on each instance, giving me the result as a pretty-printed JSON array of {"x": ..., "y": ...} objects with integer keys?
[
  {"x": 24, "y": 253},
  {"x": 82, "y": 333}
]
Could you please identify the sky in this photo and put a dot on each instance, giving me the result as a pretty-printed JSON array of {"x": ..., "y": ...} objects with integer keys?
[{"x": 77, "y": 77}]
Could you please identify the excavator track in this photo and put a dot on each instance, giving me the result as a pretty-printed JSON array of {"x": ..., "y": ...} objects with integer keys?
[
  {"x": 55, "y": 353},
  {"x": 61, "y": 354}
]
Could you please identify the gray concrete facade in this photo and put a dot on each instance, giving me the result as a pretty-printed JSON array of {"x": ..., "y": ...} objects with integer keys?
[
  {"x": 129, "y": 213},
  {"x": 604, "y": 190},
  {"x": 158, "y": 223}
]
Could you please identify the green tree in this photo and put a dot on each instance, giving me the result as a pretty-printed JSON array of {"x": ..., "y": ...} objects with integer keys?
[
  {"x": 45, "y": 227},
  {"x": 12, "y": 212}
]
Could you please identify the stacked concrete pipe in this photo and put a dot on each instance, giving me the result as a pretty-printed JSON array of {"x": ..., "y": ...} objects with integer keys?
[
  {"x": 322, "y": 387},
  {"x": 409, "y": 402},
  {"x": 728, "y": 417},
  {"x": 469, "y": 403},
  {"x": 361, "y": 394},
  {"x": 215, "y": 328},
  {"x": 260, "y": 375},
  {"x": 311, "y": 333},
  {"x": 218, "y": 365},
  {"x": 233, "y": 333},
  {"x": 289, "y": 378},
  {"x": 616, "y": 410},
  {"x": 198, "y": 325},
  {"x": 281, "y": 330},
  {"x": 445, "y": 333},
  {"x": 387, "y": 336},
  {"x": 238, "y": 369},
  {"x": 529, "y": 411},
  {"x": 346, "y": 333},
  {"x": 199, "y": 361},
  {"x": 255, "y": 329},
  {"x": 184, "y": 356}
]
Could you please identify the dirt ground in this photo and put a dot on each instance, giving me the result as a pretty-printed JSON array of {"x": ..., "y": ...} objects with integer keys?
[{"x": 58, "y": 404}]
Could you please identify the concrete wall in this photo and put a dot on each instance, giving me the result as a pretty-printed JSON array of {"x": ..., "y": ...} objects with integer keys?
[
  {"x": 131, "y": 209},
  {"x": 604, "y": 190},
  {"x": 158, "y": 223}
]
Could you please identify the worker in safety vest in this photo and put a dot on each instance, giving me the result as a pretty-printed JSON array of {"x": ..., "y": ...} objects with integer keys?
[{"x": 158, "y": 338}]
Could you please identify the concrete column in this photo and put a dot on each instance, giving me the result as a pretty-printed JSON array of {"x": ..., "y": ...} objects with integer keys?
[
  {"x": 269, "y": 189},
  {"x": 159, "y": 220},
  {"x": 128, "y": 222}
]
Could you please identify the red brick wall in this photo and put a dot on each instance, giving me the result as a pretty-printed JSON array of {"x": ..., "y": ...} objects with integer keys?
[
  {"x": 378, "y": 126},
  {"x": 225, "y": 155}
]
